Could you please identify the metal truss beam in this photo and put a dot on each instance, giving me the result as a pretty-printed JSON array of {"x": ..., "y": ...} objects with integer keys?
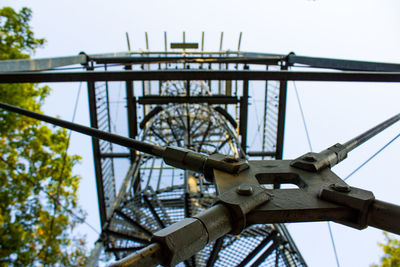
[
  {"x": 34, "y": 77},
  {"x": 341, "y": 64},
  {"x": 265, "y": 60},
  {"x": 160, "y": 100},
  {"x": 226, "y": 57},
  {"x": 50, "y": 63},
  {"x": 131, "y": 112}
]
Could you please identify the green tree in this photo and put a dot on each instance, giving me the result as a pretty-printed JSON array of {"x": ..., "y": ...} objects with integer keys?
[
  {"x": 391, "y": 258},
  {"x": 38, "y": 192}
]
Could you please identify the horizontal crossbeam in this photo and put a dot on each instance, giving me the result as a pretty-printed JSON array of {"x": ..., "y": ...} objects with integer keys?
[
  {"x": 154, "y": 100},
  {"x": 34, "y": 77}
]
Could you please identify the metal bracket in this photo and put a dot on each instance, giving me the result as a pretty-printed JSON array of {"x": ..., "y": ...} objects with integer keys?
[
  {"x": 316, "y": 162},
  {"x": 240, "y": 201},
  {"x": 352, "y": 197},
  {"x": 224, "y": 163},
  {"x": 187, "y": 159}
]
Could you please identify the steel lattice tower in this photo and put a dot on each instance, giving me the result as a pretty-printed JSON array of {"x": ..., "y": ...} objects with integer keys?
[
  {"x": 194, "y": 105},
  {"x": 202, "y": 115}
]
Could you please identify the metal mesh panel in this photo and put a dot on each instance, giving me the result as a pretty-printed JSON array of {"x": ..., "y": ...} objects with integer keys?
[
  {"x": 236, "y": 248},
  {"x": 103, "y": 122},
  {"x": 271, "y": 118}
]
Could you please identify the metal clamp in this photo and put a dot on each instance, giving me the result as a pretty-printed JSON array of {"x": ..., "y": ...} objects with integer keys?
[
  {"x": 240, "y": 201},
  {"x": 352, "y": 197}
]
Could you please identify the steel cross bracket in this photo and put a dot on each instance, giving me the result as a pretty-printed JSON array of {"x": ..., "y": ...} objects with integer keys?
[
  {"x": 286, "y": 205},
  {"x": 317, "y": 161},
  {"x": 305, "y": 203},
  {"x": 247, "y": 197},
  {"x": 320, "y": 196}
]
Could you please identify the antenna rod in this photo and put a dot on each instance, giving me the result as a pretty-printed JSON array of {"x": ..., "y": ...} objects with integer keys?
[
  {"x": 362, "y": 138},
  {"x": 128, "y": 42},
  {"x": 114, "y": 138}
]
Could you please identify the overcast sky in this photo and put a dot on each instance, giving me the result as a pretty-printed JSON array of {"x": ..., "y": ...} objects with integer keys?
[{"x": 334, "y": 112}]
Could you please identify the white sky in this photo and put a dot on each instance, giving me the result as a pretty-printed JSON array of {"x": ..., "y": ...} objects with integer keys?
[{"x": 335, "y": 112}]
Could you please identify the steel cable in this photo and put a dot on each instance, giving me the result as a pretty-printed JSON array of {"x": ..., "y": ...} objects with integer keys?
[{"x": 310, "y": 147}]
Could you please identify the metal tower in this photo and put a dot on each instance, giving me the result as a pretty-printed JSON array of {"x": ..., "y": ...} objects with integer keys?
[
  {"x": 202, "y": 115},
  {"x": 188, "y": 98}
]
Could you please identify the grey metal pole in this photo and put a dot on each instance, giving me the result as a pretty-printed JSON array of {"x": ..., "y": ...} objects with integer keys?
[
  {"x": 117, "y": 139},
  {"x": 362, "y": 138},
  {"x": 182, "y": 239},
  {"x": 174, "y": 156},
  {"x": 384, "y": 216},
  {"x": 149, "y": 256}
]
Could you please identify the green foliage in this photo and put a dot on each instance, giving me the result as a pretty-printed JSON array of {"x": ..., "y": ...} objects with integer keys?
[
  {"x": 16, "y": 37},
  {"x": 38, "y": 191},
  {"x": 391, "y": 258}
]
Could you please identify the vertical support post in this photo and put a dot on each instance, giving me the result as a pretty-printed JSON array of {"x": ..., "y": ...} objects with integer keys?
[
  {"x": 221, "y": 41},
  {"x": 244, "y": 104},
  {"x": 281, "y": 115},
  {"x": 128, "y": 41},
  {"x": 228, "y": 87},
  {"x": 131, "y": 112},
  {"x": 188, "y": 143},
  {"x": 220, "y": 65},
  {"x": 202, "y": 48},
  {"x": 202, "y": 42},
  {"x": 146, "y": 36},
  {"x": 240, "y": 41},
  {"x": 165, "y": 43},
  {"x": 96, "y": 152}
]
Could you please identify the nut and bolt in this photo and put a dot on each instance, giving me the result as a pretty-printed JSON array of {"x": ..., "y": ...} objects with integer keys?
[
  {"x": 244, "y": 190},
  {"x": 344, "y": 188}
]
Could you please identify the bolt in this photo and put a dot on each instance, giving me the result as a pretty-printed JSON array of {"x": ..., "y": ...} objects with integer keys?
[
  {"x": 344, "y": 188},
  {"x": 309, "y": 158},
  {"x": 244, "y": 190}
]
